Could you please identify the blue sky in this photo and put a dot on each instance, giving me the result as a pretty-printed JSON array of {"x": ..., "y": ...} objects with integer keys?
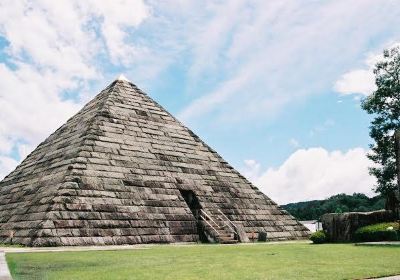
[{"x": 273, "y": 86}]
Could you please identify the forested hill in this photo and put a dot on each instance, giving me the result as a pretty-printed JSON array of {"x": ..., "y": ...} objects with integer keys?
[{"x": 312, "y": 210}]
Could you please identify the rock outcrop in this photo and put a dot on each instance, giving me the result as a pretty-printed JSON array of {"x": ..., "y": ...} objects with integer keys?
[{"x": 341, "y": 227}]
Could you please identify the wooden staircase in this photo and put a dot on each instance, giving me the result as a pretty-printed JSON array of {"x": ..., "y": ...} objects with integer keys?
[{"x": 218, "y": 228}]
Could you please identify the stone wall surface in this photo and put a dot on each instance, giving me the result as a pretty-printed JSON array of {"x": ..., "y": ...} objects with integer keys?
[
  {"x": 341, "y": 227},
  {"x": 112, "y": 175}
]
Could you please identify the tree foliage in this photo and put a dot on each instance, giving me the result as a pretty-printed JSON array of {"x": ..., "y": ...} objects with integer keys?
[
  {"x": 313, "y": 210},
  {"x": 319, "y": 237},
  {"x": 384, "y": 105}
]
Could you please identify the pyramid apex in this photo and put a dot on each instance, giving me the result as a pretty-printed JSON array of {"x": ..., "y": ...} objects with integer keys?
[{"x": 121, "y": 77}]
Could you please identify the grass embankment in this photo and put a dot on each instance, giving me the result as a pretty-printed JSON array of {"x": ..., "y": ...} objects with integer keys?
[{"x": 261, "y": 261}]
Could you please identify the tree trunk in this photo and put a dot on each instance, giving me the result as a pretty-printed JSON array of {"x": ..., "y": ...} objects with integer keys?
[{"x": 397, "y": 192}]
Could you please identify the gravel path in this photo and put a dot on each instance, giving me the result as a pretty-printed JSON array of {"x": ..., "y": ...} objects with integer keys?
[{"x": 4, "y": 272}]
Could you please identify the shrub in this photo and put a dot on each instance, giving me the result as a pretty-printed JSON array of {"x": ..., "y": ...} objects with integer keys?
[
  {"x": 378, "y": 232},
  {"x": 318, "y": 237}
]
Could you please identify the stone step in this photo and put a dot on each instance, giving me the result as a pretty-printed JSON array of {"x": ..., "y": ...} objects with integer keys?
[
  {"x": 225, "y": 235},
  {"x": 218, "y": 228},
  {"x": 228, "y": 241}
]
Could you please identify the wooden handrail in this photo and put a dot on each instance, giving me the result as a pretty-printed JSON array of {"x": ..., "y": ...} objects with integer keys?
[
  {"x": 205, "y": 220},
  {"x": 233, "y": 228},
  {"x": 208, "y": 216}
]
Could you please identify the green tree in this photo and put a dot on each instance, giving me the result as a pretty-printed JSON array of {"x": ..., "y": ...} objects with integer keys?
[
  {"x": 312, "y": 210},
  {"x": 384, "y": 105}
]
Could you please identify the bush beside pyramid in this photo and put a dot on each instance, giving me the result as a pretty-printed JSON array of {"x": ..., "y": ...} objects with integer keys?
[{"x": 115, "y": 173}]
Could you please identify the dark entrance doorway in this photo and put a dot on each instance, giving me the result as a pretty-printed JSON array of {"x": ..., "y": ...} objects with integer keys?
[
  {"x": 191, "y": 201},
  {"x": 194, "y": 206}
]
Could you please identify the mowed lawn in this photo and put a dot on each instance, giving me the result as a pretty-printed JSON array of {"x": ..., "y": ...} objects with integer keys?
[{"x": 254, "y": 261}]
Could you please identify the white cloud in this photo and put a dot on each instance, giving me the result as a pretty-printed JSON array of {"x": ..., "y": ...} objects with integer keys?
[
  {"x": 251, "y": 169},
  {"x": 272, "y": 53},
  {"x": 315, "y": 173},
  {"x": 361, "y": 81},
  {"x": 64, "y": 34},
  {"x": 118, "y": 17},
  {"x": 34, "y": 108},
  {"x": 356, "y": 81},
  {"x": 7, "y": 164},
  {"x": 49, "y": 34}
]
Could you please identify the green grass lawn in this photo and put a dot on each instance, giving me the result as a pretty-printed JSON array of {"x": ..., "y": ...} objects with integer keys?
[{"x": 260, "y": 261}]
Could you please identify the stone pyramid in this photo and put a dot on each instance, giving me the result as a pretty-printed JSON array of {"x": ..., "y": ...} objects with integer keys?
[{"x": 117, "y": 173}]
